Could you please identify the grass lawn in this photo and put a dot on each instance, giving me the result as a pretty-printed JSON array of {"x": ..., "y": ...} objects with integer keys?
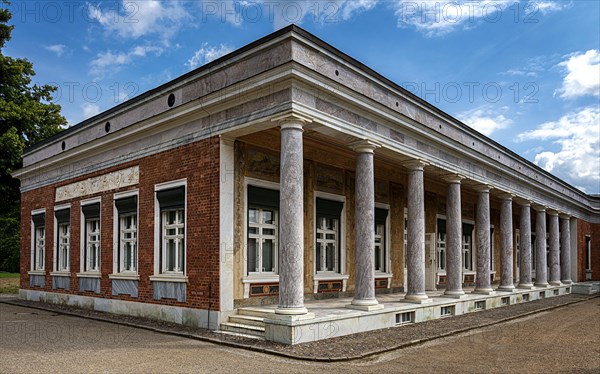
[{"x": 9, "y": 282}]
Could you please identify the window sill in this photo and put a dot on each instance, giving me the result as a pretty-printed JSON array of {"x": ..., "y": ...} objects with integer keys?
[
  {"x": 264, "y": 278},
  {"x": 124, "y": 276},
  {"x": 383, "y": 275},
  {"x": 37, "y": 272},
  {"x": 89, "y": 275},
  {"x": 169, "y": 278},
  {"x": 331, "y": 276},
  {"x": 61, "y": 273}
]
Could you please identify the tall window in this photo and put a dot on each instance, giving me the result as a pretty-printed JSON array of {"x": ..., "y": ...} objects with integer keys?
[
  {"x": 91, "y": 253},
  {"x": 441, "y": 244},
  {"x": 127, "y": 233},
  {"x": 492, "y": 265},
  {"x": 588, "y": 253},
  {"x": 263, "y": 232},
  {"x": 533, "y": 251},
  {"x": 328, "y": 256},
  {"x": 63, "y": 242},
  {"x": 172, "y": 230},
  {"x": 39, "y": 241},
  {"x": 380, "y": 240},
  {"x": 467, "y": 246}
]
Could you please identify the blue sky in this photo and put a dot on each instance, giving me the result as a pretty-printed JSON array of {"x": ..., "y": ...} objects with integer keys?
[{"x": 526, "y": 73}]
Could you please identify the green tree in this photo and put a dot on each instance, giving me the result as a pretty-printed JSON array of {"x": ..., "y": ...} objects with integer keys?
[{"x": 27, "y": 116}]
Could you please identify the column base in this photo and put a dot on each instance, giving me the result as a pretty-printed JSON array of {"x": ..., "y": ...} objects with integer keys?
[
  {"x": 506, "y": 288},
  {"x": 555, "y": 283},
  {"x": 484, "y": 291},
  {"x": 291, "y": 311},
  {"x": 525, "y": 286},
  {"x": 566, "y": 281},
  {"x": 455, "y": 294},
  {"x": 365, "y": 305},
  {"x": 541, "y": 285},
  {"x": 417, "y": 298}
]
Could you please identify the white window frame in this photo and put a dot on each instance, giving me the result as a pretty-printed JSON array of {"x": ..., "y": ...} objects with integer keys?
[
  {"x": 35, "y": 246},
  {"x": 387, "y": 244},
  {"x": 342, "y": 275},
  {"x": 588, "y": 253},
  {"x": 83, "y": 239},
  {"x": 438, "y": 241},
  {"x": 117, "y": 238},
  {"x": 260, "y": 239},
  {"x": 341, "y": 241},
  {"x": 264, "y": 276},
  {"x": 158, "y": 274},
  {"x": 405, "y": 225},
  {"x": 57, "y": 270},
  {"x": 253, "y": 277},
  {"x": 492, "y": 246},
  {"x": 471, "y": 250}
]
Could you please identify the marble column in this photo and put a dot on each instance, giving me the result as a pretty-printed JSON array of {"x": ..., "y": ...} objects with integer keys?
[
  {"x": 364, "y": 224},
  {"x": 541, "y": 271},
  {"x": 525, "y": 248},
  {"x": 565, "y": 249},
  {"x": 453, "y": 238},
  {"x": 415, "y": 248},
  {"x": 482, "y": 225},
  {"x": 291, "y": 219},
  {"x": 506, "y": 244},
  {"x": 554, "y": 276}
]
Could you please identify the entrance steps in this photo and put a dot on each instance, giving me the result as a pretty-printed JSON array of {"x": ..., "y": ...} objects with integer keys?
[{"x": 248, "y": 322}]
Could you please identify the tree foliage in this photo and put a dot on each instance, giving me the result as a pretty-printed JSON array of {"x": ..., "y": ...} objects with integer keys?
[{"x": 27, "y": 116}]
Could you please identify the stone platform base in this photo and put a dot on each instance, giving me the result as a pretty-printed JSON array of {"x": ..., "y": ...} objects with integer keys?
[
  {"x": 185, "y": 316},
  {"x": 336, "y": 320},
  {"x": 585, "y": 288}
]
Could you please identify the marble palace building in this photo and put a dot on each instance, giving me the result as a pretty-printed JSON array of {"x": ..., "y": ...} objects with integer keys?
[{"x": 249, "y": 194}]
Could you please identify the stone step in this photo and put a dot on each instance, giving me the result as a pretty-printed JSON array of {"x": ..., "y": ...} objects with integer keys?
[
  {"x": 243, "y": 329},
  {"x": 247, "y": 320},
  {"x": 241, "y": 335},
  {"x": 256, "y": 312}
]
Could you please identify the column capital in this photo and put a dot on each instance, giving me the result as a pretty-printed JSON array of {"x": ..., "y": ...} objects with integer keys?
[
  {"x": 292, "y": 119},
  {"x": 506, "y": 196},
  {"x": 552, "y": 212},
  {"x": 483, "y": 187},
  {"x": 227, "y": 139},
  {"x": 364, "y": 146},
  {"x": 453, "y": 178},
  {"x": 416, "y": 164},
  {"x": 564, "y": 216},
  {"x": 539, "y": 207},
  {"x": 522, "y": 201}
]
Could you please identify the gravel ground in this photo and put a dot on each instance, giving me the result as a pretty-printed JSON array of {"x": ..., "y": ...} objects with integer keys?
[
  {"x": 565, "y": 339},
  {"x": 336, "y": 349}
]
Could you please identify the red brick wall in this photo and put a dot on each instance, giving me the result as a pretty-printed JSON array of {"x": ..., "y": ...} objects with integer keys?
[
  {"x": 199, "y": 163},
  {"x": 593, "y": 230}
]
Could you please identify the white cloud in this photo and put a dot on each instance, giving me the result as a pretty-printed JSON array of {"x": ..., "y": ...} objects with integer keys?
[
  {"x": 546, "y": 6},
  {"x": 577, "y": 134},
  {"x": 207, "y": 54},
  {"x": 583, "y": 75},
  {"x": 531, "y": 68},
  {"x": 486, "y": 121},
  {"x": 114, "y": 61},
  {"x": 134, "y": 19},
  {"x": 283, "y": 13},
  {"x": 438, "y": 18},
  {"x": 89, "y": 110},
  {"x": 57, "y": 49}
]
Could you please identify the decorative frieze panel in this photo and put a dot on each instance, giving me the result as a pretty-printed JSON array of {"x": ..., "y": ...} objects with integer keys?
[
  {"x": 118, "y": 179},
  {"x": 330, "y": 179},
  {"x": 382, "y": 191},
  {"x": 261, "y": 164}
]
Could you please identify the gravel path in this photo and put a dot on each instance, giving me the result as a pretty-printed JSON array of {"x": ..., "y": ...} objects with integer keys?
[{"x": 336, "y": 349}]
